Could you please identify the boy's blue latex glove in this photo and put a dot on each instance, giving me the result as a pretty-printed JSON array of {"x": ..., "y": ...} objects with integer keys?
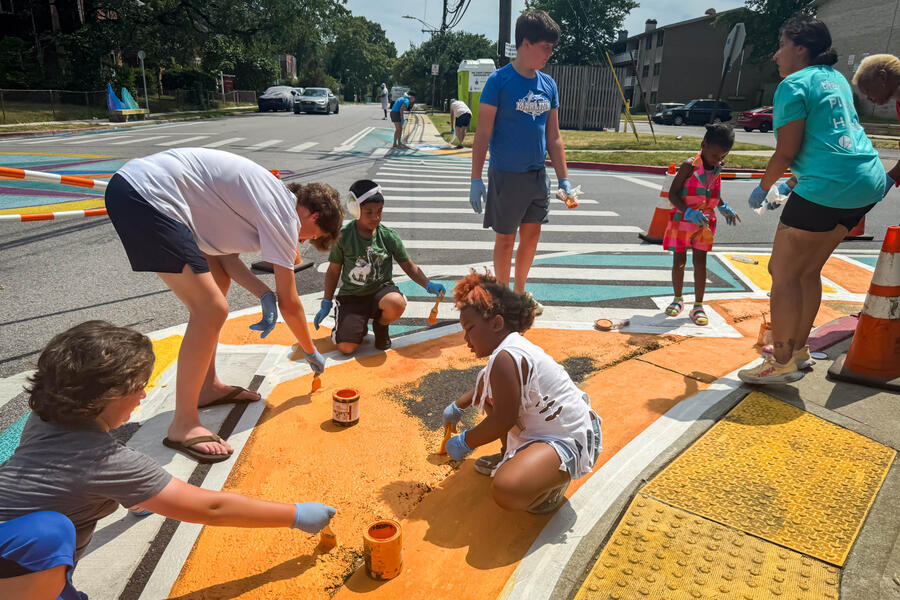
[
  {"x": 476, "y": 195},
  {"x": 269, "y": 315},
  {"x": 692, "y": 215},
  {"x": 726, "y": 211},
  {"x": 784, "y": 189},
  {"x": 313, "y": 516},
  {"x": 888, "y": 184},
  {"x": 757, "y": 197},
  {"x": 457, "y": 448},
  {"x": 325, "y": 308},
  {"x": 435, "y": 288},
  {"x": 452, "y": 414},
  {"x": 565, "y": 185},
  {"x": 316, "y": 361}
]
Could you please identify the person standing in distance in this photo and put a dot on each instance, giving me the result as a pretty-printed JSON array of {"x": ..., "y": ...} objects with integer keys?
[
  {"x": 385, "y": 100},
  {"x": 519, "y": 121}
]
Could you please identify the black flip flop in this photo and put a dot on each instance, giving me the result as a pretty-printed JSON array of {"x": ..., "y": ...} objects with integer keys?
[
  {"x": 187, "y": 448},
  {"x": 231, "y": 397}
]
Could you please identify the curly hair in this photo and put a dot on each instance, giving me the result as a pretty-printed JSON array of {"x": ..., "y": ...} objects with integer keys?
[
  {"x": 323, "y": 199},
  {"x": 86, "y": 367},
  {"x": 484, "y": 293}
]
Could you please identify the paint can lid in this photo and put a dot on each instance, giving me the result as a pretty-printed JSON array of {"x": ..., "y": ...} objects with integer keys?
[{"x": 818, "y": 355}]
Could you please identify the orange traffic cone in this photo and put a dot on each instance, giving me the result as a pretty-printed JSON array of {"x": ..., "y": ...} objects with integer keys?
[
  {"x": 859, "y": 232},
  {"x": 266, "y": 266},
  {"x": 874, "y": 355},
  {"x": 660, "y": 219}
]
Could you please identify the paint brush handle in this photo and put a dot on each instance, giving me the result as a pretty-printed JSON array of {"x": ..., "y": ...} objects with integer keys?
[
  {"x": 432, "y": 318},
  {"x": 449, "y": 430}
]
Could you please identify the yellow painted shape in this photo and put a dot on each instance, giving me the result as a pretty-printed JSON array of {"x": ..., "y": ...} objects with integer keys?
[
  {"x": 55, "y": 154},
  {"x": 166, "y": 351},
  {"x": 759, "y": 274},
  {"x": 47, "y": 208},
  {"x": 774, "y": 471},
  {"x": 658, "y": 551}
]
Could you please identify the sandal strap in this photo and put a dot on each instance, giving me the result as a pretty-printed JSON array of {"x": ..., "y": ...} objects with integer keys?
[{"x": 200, "y": 439}]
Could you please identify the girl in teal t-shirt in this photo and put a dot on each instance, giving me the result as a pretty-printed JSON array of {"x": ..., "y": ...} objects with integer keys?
[{"x": 839, "y": 178}]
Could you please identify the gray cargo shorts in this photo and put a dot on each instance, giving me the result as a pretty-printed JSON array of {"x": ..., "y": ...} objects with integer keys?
[{"x": 516, "y": 198}]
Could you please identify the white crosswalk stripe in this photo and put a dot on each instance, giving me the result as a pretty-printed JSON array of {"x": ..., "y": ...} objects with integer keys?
[
  {"x": 225, "y": 142},
  {"x": 182, "y": 142},
  {"x": 264, "y": 144},
  {"x": 302, "y": 147},
  {"x": 137, "y": 140}
]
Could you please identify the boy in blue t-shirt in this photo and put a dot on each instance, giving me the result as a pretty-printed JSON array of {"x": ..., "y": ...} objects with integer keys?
[
  {"x": 403, "y": 104},
  {"x": 518, "y": 118}
]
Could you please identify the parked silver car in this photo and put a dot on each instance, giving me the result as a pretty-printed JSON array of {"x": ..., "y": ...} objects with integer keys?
[{"x": 316, "y": 99}]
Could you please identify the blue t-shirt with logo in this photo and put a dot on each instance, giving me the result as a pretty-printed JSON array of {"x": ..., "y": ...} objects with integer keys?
[
  {"x": 519, "y": 139},
  {"x": 401, "y": 101},
  {"x": 836, "y": 165}
]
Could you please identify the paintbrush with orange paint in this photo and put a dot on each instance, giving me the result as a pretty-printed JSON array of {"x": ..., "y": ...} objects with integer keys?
[
  {"x": 327, "y": 539},
  {"x": 316, "y": 384},
  {"x": 432, "y": 318},
  {"x": 449, "y": 430}
]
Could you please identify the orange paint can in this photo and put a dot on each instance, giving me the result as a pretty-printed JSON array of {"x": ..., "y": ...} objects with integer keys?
[
  {"x": 383, "y": 549},
  {"x": 345, "y": 407}
]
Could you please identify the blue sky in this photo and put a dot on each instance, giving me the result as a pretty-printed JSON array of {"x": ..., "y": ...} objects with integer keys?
[{"x": 482, "y": 15}]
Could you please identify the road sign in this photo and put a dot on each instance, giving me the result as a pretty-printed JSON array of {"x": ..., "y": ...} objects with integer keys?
[
  {"x": 733, "y": 45},
  {"x": 435, "y": 69},
  {"x": 510, "y": 50}
]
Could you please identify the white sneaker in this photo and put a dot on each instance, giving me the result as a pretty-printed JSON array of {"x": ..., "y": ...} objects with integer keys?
[
  {"x": 771, "y": 371},
  {"x": 801, "y": 357}
]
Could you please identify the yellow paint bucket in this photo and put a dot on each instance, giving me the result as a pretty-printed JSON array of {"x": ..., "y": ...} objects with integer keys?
[
  {"x": 383, "y": 549},
  {"x": 345, "y": 407}
]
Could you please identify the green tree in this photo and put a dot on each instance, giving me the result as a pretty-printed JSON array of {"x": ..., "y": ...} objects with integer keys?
[
  {"x": 763, "y": 19},
  {"x": 589, "y": 27},
  {"x": 447, "y": 49},
  {"x": 360, "y": 55}
]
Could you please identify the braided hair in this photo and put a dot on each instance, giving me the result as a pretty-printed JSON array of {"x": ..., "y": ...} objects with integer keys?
[{"x": 485, "y": 294}]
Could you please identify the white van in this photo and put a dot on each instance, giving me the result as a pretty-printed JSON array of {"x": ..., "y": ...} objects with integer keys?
[{"x": 397, "y": 91}]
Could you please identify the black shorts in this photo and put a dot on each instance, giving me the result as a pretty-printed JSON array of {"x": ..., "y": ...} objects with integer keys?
[
  {"x": 395, "y": 116},
  {"x": 800, "y": 213},
  {"x": 352, "y": 314},
  {"x": 153, "y": 241},
  {"x": 463, "y": 120}
]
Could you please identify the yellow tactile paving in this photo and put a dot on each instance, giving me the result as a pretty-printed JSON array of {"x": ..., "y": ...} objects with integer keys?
[
  {"x": 664, "y": 553},
  {"x": 759, "y": 273},
  {"x": 781, "y": 474}
]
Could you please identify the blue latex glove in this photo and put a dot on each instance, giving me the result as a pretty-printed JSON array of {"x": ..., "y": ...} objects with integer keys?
[
  {"x": 316, "y": 361},
  {"x": 784, "y": 189},
  {"x": 457, "y": 448},
  {"x": 476, "y": 195},
  {"x": 269, "y": 315},
  {"x": 757, "y": 197},
  {"x": 888, "y": 184},
  {"x": 313, "y": 516},
  {"x": 452, "y": 414},
  {"x": 692, "y": 215},
  {"x": 726, "y": 211},
  {"x": 325, "y": 308},
  {"x": 435, "y": 288},
  {"x": 565, "y": 185}
]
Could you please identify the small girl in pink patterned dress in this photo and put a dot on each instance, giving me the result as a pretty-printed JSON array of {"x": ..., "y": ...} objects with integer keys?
[{"x": 695, "y": 192}]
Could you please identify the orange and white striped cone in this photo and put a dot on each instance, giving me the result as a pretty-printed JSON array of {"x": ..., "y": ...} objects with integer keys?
[
  {"x": 874, "y": 355},
  {"x": 266, "y": 266},
  {"x": 858, "y": 233},
  {"x": 660, "y": 219}
]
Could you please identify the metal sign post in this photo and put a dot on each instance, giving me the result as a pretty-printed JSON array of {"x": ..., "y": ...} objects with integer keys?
[
  {"x": 141, "y": 55},
  {"x": 435, "y": 69},
  {"x": 734, "y": 45}
]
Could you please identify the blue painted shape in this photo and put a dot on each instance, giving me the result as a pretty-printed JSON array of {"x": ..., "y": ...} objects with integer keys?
[
  {"x": 609, "y": 260},
  {"x": 866, "y": 260},
  {"x": 9, "y": 438},
  {"x": 112, "y": 101}
]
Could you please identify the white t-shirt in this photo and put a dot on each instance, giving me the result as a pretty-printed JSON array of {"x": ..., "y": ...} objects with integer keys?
[
  {"x": 230, "y": 203},
  {"x": 458, "y": 107}
]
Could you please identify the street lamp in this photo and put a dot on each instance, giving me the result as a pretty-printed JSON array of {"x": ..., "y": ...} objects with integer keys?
[{"x": 432, "y": 30}]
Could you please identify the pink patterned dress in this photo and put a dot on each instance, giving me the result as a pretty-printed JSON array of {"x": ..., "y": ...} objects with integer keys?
[{"x": 702, "y": 192}]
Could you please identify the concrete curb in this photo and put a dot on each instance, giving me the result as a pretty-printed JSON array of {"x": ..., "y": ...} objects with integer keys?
[{"x": 651, "y": 169}]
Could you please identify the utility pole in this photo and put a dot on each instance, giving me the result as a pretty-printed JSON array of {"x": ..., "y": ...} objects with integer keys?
[{"x": 505, "y": 24}]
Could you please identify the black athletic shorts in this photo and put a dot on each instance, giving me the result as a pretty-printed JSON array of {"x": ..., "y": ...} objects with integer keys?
[
  {"x": 800, "y": 213},
  {"x": 395, "y": 116},
  {"x": 153, "y": 241},
  {"x": 352, "y": 314},
  {"x": 463, "y": 120}
]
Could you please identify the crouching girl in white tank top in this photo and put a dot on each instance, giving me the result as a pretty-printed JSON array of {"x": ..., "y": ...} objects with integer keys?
[{"x": 550, "y": 434}]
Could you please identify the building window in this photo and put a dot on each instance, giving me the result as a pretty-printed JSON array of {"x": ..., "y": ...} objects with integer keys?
[
  {"x": 645, "y": 71},
  {"x": 659, "y": 38},
  {"x": 653, "y": 97},
  {"x": 649, "y": 43},
  {"x": 656, "y": 69}
]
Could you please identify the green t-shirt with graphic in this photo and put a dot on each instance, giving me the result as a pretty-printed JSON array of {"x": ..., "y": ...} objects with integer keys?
[{"x": 366, "y": 264}]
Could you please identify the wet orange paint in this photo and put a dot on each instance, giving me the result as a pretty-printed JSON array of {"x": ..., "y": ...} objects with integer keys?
[{"x": 852, "y": 278}]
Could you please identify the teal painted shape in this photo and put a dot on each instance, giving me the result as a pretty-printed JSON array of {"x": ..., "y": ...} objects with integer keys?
[
  {"x": 609, "y": 260},
  {"x": 866, "y": 260},
  {"x": 128, "y": 100},
  {"x": 9, "y": 438}
]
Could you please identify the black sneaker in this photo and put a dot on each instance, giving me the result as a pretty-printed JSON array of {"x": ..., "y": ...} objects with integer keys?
[{"x": 382, "y": 335}]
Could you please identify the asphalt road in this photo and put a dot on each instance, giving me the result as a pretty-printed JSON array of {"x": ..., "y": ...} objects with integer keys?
[{"x": 55, "y": 275}]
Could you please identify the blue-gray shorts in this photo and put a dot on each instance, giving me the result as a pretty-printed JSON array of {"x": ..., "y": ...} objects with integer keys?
[{"x": 516, "y": 198}]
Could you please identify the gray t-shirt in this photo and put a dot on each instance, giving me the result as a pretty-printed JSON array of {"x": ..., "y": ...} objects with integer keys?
[{"x": 82, "y": 473}]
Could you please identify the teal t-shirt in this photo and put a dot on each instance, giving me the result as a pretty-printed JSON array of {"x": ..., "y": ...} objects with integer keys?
[
  {"x": 366, "y": 264},
  {"x": 837, "y": 165}
]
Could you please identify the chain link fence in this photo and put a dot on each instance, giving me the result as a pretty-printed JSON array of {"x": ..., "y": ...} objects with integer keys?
[{"x": 39, "y": 106}]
